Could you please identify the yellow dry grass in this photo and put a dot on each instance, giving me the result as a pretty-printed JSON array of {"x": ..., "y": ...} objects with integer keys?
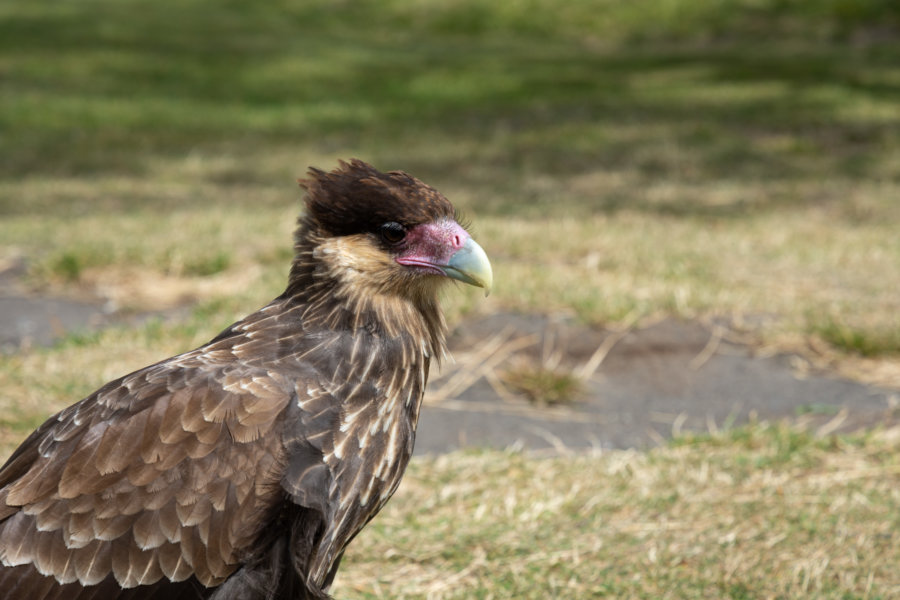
[{"x": 762, "y": 512}]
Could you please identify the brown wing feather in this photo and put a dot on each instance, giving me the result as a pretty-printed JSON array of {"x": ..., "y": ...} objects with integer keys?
[{"x": 146, "y": 486}]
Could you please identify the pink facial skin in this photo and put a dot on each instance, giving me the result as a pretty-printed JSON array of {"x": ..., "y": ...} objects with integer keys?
[{"x": 431, "y": 245}]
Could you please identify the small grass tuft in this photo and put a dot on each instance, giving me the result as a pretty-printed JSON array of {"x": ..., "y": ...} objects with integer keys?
[
  {"x": 861, "y": 339},
  {"x": 542, "y": 385},
  {"x": 67, "y": 266},
  {"x": 204, "y": 266}
]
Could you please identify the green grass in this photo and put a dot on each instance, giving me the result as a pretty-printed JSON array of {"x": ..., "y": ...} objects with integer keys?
[
  {"x": 619, "y": 160},
  {"x": 861, "y": 339},
  {"x": 543, "y": 386}
]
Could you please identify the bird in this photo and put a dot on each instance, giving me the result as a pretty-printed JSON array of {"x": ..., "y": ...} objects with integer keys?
[{"x": 243, "y": 468}]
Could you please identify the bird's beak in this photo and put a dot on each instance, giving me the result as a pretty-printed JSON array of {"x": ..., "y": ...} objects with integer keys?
[{"x": 470, "y": 265}]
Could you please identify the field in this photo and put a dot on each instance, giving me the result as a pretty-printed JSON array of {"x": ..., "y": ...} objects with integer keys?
[
  {"x": 767, "y": 512},
  {"x": 619, "y": 161}
]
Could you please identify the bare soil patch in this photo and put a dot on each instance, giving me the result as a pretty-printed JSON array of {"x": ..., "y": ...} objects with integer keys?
[
  {"x": 31, "y": 319},
  {"x": 642, "y": 386}
]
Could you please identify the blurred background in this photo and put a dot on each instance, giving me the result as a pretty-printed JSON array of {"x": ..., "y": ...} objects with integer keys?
[{"x": 722, "y": 173}]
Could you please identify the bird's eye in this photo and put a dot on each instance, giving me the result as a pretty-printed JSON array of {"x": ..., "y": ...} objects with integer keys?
[{"x": 393, "y": 233}]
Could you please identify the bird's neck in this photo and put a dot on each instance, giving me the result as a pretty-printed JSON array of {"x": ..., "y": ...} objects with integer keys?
[{"x": 340, "y": 303}]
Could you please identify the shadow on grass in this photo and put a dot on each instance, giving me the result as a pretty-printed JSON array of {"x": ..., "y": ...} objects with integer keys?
[{"x": 103, "y": 88}]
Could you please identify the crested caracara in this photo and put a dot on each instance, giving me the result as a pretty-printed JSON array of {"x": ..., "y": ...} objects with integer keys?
[{"x": 242, "y": 469}]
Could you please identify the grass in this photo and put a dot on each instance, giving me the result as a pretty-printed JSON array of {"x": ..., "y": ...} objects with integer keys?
[
  {"x": 620, "y": 161},
  {"x": 543, "y": 386},
  {"x": 615, "y": 165},
  {"x": 761, "y": 512}
]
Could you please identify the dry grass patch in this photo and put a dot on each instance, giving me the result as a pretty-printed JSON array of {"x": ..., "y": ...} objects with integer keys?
[
  {"x": 761, "y": 512},
  {"x": 822, "y": 276}
]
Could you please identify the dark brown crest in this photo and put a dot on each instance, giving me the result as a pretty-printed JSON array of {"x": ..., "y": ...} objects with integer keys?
[{"x": 356, "y": 198}]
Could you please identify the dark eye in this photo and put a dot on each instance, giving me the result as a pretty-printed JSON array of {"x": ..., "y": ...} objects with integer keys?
[{"x": 393, "y": 233}]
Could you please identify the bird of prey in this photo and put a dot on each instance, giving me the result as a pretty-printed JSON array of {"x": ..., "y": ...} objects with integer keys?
[{"x": 243, "y": 468}]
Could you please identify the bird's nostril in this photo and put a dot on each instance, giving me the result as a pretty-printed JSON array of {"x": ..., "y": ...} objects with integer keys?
[{"x": 457, "y": 241}]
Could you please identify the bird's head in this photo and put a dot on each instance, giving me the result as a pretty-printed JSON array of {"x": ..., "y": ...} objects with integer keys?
[{"x": 386, "y": 233}]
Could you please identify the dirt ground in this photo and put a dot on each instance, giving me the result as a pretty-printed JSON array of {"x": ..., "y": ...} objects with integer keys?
[
  {"x": 651, "y": 383},
  {"x": 637, "y": 387}
]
